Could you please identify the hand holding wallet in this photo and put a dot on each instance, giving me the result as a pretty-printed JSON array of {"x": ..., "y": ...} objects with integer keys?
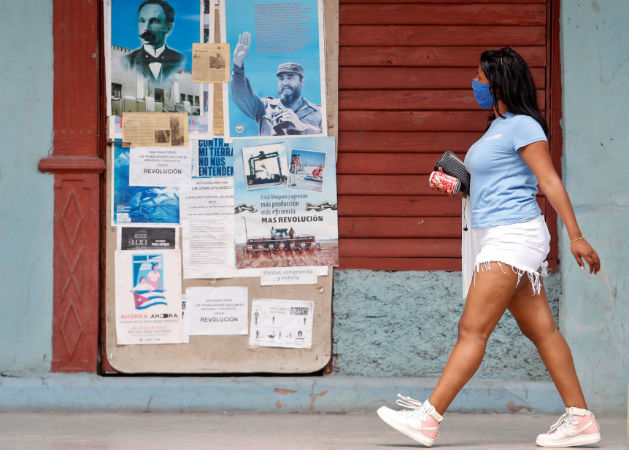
[{"x": 453, "y": 166}]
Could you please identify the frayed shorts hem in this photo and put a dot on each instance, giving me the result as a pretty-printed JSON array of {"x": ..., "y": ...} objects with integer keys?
[{"x": 534, "y": 276}]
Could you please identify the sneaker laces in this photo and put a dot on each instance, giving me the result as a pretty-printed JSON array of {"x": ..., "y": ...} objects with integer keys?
[
  {"x": 564, "y": 421},
  {"x": 416, "y": 407}
]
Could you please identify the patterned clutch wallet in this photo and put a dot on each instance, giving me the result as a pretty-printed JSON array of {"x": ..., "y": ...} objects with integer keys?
[{"x": 453, "y": 166}]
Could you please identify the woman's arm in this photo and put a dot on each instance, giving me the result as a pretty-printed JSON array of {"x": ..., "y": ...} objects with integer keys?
[{"x": 536, "y": 156}]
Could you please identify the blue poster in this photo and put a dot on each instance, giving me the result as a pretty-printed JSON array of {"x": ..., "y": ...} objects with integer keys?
[
  {"x": 278, "y": 85},
  {"x": 213, "y": 158},
  {"x": 151, "y": 58},
  {"x": 140, "y": 204}
]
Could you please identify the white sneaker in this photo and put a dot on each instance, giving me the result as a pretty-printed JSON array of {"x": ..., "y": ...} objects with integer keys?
[
  {"x": 575, "y": 427},
  {"x": 420, "y": 421}
]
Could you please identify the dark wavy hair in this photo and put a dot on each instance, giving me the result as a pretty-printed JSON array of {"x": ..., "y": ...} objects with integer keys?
[
  {"x": 169, "y": 12},
  {"x": 512, "y": 82}
]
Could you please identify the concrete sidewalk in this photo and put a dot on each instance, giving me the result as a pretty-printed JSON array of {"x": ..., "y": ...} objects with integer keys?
[
  {"x": 295, "y": 394},
  {"x": 192, "y": 431}
]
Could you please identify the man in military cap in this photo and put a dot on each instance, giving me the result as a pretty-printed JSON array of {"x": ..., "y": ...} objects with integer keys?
[{"x": 289, "y": 114}]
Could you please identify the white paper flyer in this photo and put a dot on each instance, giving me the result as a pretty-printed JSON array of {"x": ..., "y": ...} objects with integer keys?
[
  {"x": 281, "y": 323},
  {"x": 216, "y": 311}
]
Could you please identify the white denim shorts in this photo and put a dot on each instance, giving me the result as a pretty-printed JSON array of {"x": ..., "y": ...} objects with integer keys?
[{"x": 523, "y": 246}]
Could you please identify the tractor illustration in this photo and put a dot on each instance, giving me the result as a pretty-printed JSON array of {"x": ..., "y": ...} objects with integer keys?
[{"x": 280, "y": 240}]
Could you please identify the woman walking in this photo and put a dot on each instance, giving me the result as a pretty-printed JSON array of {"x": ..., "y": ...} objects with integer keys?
[{"x": 506, "y": 165}]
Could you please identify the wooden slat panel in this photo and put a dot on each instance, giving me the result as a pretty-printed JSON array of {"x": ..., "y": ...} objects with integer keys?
[
  {"x": 400, "y": 227},
  {"x": 414, "y": 100},
  {"x": 415, "y": 78},
  {"x": 391, "y": 185},
  {"x": 404, "y": 98},
  {"x": 408, "y": 206},
  {"x": 429, "y": 56},
  {"x": 421, "y": 35},
  {"x": 451, "y": 264},
  {"x": 401, "y": 248},
  {"x": 383, "y": 185},
  {"x": 424, "y": 141},
  {"x": 452, "y": 99},
  {"x": 388, "y": 163},
  {"x": 413, "y": 120},
  {"x": 398, "y": 206},
  {"x": 443, "y": 14}
]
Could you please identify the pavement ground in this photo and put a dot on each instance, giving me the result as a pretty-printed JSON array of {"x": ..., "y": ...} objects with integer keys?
[{"x": 243, "y": 431}]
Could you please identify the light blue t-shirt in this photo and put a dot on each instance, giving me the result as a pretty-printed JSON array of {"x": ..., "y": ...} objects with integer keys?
[{"x": 502, "y": 187}]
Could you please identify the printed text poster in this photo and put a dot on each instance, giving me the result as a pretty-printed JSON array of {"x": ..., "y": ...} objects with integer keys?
[
  {"x": 208, "y": 245},
  {"x": 159, "y": 166},
  {"x": 208, "y": 212},
  {"x": 216, "y": 310},
  {"x": 287, "y": 216}
]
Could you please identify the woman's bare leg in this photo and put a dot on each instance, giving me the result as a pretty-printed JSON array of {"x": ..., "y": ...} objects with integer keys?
[
  {"x": 534, "y": 318},
  {"x": 488, "y": 298}
]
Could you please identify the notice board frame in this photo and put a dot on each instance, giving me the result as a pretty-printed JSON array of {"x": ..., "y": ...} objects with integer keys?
[{"x": 229, "y": 354}]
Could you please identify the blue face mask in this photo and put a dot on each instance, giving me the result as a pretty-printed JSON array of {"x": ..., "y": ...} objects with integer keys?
[{"x": 482, "y": 94}]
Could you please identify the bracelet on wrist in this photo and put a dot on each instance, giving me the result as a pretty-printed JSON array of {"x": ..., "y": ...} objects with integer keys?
[{"x": 576, "y": 239}]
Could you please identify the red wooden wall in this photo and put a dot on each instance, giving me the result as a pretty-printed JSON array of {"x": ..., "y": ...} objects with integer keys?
[{"x": 405, "y": 71}]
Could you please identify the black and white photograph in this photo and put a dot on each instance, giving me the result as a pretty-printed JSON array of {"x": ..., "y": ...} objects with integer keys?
[{"x": 265, "y": 166}]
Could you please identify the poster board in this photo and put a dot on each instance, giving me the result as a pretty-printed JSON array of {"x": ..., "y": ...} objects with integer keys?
[{"x": 218, "y": 354}]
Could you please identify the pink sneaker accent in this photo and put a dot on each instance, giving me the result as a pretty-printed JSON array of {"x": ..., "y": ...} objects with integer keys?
[
  {"x": 419, "y": 421},
  {"x": 575, "y": 427}
]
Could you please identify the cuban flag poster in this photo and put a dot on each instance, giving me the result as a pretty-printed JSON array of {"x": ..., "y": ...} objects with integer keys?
[{"x": 148, "y": 297}]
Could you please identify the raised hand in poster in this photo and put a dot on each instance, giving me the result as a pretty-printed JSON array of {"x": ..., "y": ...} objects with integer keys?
[{"x": 290, "y": 114}]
